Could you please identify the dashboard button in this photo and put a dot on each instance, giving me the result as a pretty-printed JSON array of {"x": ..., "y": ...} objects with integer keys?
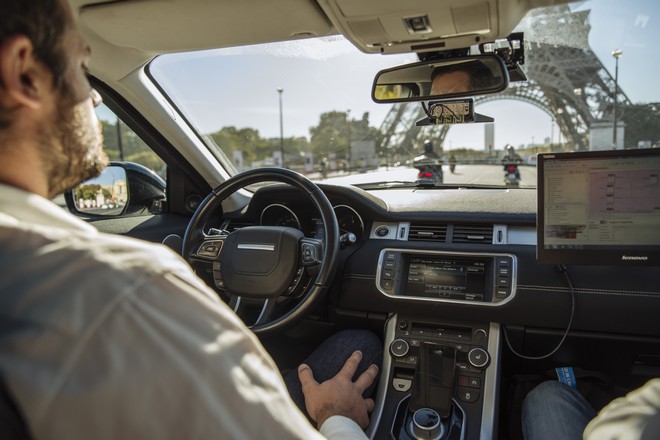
[
  {"x": 402, "y": 385},
  {"x": 463, "y": 381},
  {"x": 382, "y": 231},
  {"x": 468, "y": 395},
  {"x": 480, "y": 334},
  {"x": 411, "y": 359}
]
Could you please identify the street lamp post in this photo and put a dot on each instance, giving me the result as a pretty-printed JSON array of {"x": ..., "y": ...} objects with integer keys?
[
  {"x": 616, "y": 54},
  {"x": 279, "y": 91}
]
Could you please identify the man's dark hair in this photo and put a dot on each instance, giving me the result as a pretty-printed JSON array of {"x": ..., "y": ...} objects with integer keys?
[
  {"x": 44, "y": 23},
  {"x": 480, "y": 75}
]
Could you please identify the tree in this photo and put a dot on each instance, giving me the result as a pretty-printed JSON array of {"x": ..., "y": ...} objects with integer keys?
[
  {"x": 642, "y": 123},
  {"x": 133, "y": 149},
  {"x": 335, "y": 131},
  {"x": 331, "y": 135}
]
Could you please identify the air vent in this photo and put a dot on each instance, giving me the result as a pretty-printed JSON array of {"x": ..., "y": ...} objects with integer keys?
[
  {"x": 427, "y": 233},
  {"x": 473, "y": 234}
]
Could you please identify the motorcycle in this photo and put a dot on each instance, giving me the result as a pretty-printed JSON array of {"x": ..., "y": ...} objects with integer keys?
[
  {"x": 429, "y": 173},
  {"x": 511, "y": 175}
]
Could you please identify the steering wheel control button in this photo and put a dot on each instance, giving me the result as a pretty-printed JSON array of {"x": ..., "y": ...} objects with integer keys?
[
  {"x": 402, "y": 385},
  {"x": 309, "y": 253},
  {"x": 399, "y": 348},
  {"x": 478, "y": 358},
  {"x": 210, "y": 249}
]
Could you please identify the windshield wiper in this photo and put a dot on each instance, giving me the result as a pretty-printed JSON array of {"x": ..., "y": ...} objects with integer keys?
[
  {"x": 399, "y": 184},
  {"x": 423, "y": 184}
]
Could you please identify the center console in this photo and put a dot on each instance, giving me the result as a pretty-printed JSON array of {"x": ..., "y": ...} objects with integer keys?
[
  {"x": 440, "y": 377},
  {"x": 439, "y": 380}
]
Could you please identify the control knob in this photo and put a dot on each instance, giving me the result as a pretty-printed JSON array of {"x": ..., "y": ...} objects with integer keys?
[
  {"x": 478, "y": 357},
  {"x": 426, "y": 425},
  {"x": 399, "y": 348}
]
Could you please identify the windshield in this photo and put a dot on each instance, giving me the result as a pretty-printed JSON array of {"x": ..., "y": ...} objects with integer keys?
[{"x": 306, "y": 104}]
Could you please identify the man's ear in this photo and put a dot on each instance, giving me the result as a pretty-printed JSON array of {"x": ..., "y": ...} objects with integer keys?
[{"x": 24, "y": 79}]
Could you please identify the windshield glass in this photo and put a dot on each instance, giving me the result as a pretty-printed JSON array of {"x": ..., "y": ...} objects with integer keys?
[{"x": 306, "y": 104}]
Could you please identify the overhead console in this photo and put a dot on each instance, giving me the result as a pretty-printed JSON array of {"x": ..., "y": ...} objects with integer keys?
[
  {"x": 483, "y": 278},
  {"x": 424, "y": 25}
]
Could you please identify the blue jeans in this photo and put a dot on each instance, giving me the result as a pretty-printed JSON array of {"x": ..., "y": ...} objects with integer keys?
[
  {"x": 553, "y": 410},
  {"x": 330, "y": 356}
]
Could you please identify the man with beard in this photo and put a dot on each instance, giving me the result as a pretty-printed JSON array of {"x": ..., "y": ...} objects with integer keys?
[{"x": 108, "y": 337}]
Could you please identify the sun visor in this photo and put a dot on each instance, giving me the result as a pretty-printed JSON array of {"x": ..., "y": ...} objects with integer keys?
[
  {"x": 425, "y": 25},
  {"x": 159, "y": 26}
]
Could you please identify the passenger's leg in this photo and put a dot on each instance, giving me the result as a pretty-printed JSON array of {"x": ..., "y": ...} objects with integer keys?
[
  {"x": 553, "y": 411},
  {"x": 330, "y": 356}
]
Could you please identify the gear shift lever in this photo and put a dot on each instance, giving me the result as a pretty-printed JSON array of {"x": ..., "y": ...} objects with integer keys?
[{"x": 433, "y": 384}]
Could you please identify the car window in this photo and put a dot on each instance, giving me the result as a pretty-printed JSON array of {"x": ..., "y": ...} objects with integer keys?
[
  {"x": 122, "y": 144},
  {"x": 134, "y": 184},
  {"x": 306, "y": 104}
]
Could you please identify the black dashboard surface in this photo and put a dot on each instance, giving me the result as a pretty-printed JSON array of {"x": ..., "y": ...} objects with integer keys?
[{"x": 608, "y": 299}]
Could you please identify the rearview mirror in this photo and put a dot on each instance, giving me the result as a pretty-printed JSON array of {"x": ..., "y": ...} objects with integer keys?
[{"x": 441, "y": 79}]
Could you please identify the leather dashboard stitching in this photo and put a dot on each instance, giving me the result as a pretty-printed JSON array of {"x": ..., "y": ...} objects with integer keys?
[{"x": 590, "y": 291}]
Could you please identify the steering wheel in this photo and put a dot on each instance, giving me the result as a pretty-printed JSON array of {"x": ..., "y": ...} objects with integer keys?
[{"x": 265, "y": 262}]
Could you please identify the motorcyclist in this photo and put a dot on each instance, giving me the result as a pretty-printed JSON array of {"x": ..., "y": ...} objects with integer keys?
[
  {"x": 511, "y": 158},
  {"x": 452, "y": 163},
  {"x": 429, "y": 162},
  {"x": 323, "y": 168}
]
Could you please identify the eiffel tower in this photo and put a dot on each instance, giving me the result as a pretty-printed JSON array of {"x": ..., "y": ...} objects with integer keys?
[{"x": 569, "y": 83}]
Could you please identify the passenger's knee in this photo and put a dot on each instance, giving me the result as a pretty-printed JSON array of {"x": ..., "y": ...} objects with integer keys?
[{"x": 544, "y": 392}]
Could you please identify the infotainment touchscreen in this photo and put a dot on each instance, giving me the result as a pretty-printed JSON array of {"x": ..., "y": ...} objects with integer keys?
[
  {"x": 446, "y": 278},
  {"x": 599, "y": 207}
]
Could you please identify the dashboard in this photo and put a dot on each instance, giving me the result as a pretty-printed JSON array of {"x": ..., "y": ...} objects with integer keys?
[
  {"x": 458, "y": 269},
  {"x": 445, "y": 233}
]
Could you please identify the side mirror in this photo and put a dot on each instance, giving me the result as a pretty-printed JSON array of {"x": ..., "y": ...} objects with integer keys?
[
  {"x": 441, "y": 79},
  {"x": 122, "y": 189}
]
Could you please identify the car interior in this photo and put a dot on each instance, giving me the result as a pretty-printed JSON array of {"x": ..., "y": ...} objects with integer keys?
[{"x": 478, "y": 292}]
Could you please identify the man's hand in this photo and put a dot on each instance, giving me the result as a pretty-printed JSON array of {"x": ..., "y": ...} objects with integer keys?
[{"x": 339, "y": 395}]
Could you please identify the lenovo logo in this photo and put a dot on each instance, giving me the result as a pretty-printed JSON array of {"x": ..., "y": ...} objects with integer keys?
[{"x": 634, "y": 258}]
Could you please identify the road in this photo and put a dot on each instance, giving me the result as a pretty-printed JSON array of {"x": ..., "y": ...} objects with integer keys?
[{"x": 463, "y": 174}]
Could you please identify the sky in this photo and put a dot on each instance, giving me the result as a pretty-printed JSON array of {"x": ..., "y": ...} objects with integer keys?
[{"x": 238, "y": 87}]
